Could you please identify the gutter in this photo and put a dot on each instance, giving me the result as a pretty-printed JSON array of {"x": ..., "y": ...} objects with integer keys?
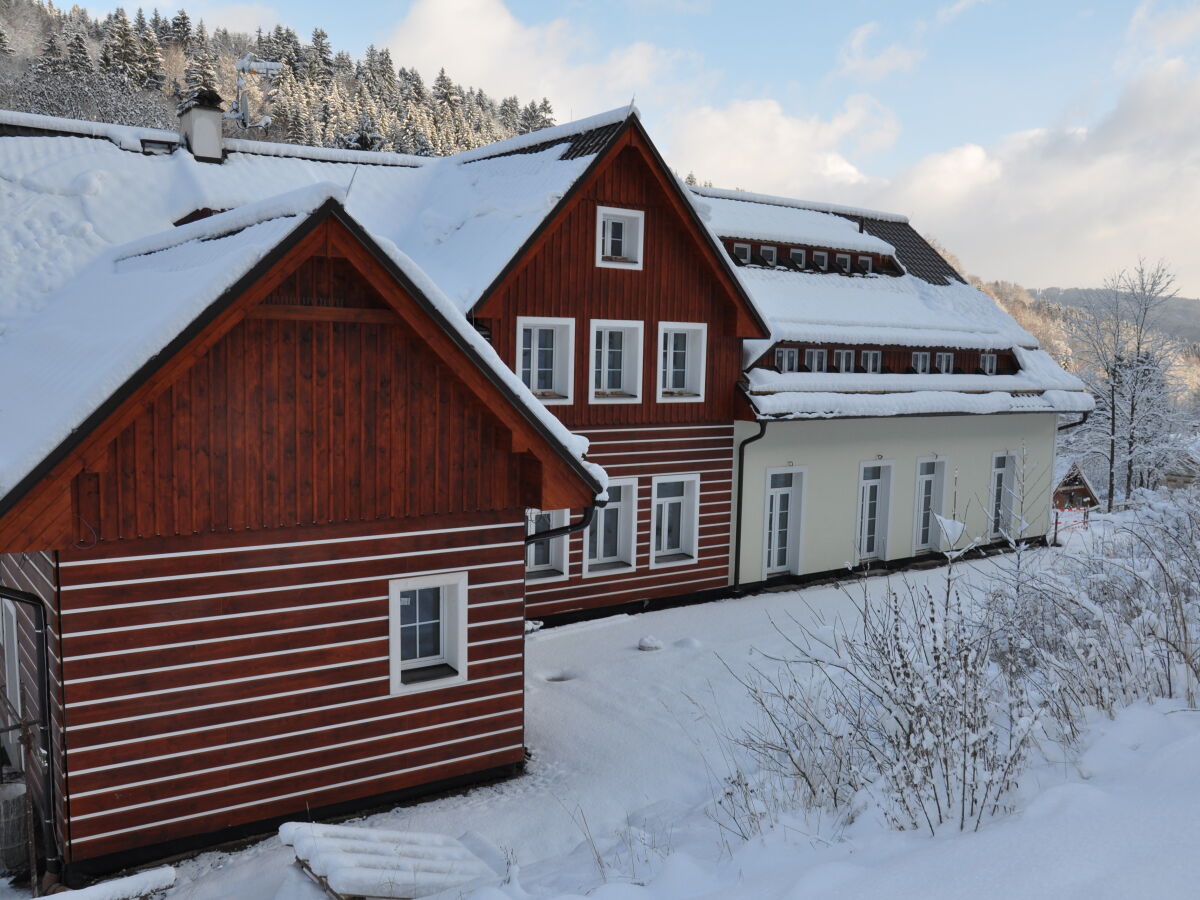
[
  {"x": 49, "y": 842},
  {"x": 737, "y": 515},
  {"x": 562, "y": 531},
  {"x": 1087, "y": 415}
]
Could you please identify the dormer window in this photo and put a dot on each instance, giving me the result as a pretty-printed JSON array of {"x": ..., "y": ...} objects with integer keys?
[
  {"x": 945, "y": 363},
  {"x": 843, "y": 262},
  {"x": 987, "y": 362},
  {"x": 814, "y": 360},
  {"x": 864, "y": 263},
  {"x": 619, "y": 237},
  {"x": 799, "y": 257},
  {"x": 920, "y": 362},
  {"x": 545, "y": 348},
  {"x": 843, "y": 360},
  {"x": 768, "y": 255},
  {"x": 872, "y": 361},
  {"x": 741, "y": 252},
  {"x": 821, "y": 260},
  {"x": 787, "y": 359}
]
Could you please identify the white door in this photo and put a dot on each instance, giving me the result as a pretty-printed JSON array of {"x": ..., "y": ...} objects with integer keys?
[
  {"x": 869, "y": 494},
  {"x": 781, "y": 521},
  {"x": 927, "y": 491},
  {"x": 12, "y": 680}
]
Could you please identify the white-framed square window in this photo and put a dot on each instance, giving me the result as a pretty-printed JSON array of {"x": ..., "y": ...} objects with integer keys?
[
  {"x": 945, "y": 363},
  {"x": 1001, "y": 493},
  {"x": 821, "y": 260},
  {"x": 787, "y": 359},
  {"x": 546, "y": 560},
  {"x": 799, "y": 256},
  {"x": 843, "y": 262},
  {"x": 872, "y": 361},
  {"x": 741, "y": 252},
  {"x": 620, "y": 237},
  {"x": 768, "y": 254},
  {"x": 987, "y": 362},
  {"x": 427, "y": 631},
  {"x": 610, "y": 542},
  {"x": 865, "y": 265},
  {"x": 675, "y": 520},
  {"x": 616, "y": 361},
  {"x": 814, "y": 359},
  {"x": 545, "y": 355},
  {"x": 843, "y": 360},
  {"x": 920, "y": 362},
  {"x": 681, "y": 363}
]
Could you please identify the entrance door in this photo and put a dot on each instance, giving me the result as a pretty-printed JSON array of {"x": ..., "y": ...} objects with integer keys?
[
  {"x": 781, "y": 510},
  {"x": 869, "y": 495},
  {"x": 927, "y": 493}
]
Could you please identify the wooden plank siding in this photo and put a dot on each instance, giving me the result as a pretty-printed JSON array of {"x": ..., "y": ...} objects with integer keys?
[{"x": 209, "y": 684}]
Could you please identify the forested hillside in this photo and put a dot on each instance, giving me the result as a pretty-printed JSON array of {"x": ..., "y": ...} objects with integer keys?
[{"x": 134, "y": 69}]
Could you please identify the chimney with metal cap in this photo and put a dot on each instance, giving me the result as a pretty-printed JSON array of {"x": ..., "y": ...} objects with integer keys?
[{"x": 200, "y": 118}]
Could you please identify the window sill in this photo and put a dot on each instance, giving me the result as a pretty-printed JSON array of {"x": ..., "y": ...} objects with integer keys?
[
  {"x": 427, "y": 673},
  {"x": 600, "y": 570},
  {"x": 542, "y": 576},
  {"x": 680, "y": 397},
  {"x": 669, "y": 560},
  {"x": 551, "y": 398},
  {"x": 615, "y": 397},
  {"x": 614, "y": 262}
]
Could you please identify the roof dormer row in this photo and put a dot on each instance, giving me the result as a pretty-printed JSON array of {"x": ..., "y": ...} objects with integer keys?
[{"x": 809, "y": 258}]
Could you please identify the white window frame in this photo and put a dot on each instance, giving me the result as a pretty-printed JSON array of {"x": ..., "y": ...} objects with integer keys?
[
  {"x": 631, "y": 360},
  {"x": 844, "y": 262},
  {"x": 564, "y": 361},
  {"x": 697, "y": 352},
  {"x": 920, "y": 362},
  {"x": 1007, "y": 469},
  {"x": 867, "y": 264},
  {"x": 795, "y": 523},
  {"x": 821, "y": 260},
  {"x": 883, "y": 510},
  {"x": 937, "y": 505},
  {"x": 782, "y": 354},
  {"x": 689, "y": 521},
  {"x": 454, "y": 597},
  {"x": 10, "y": 636},
  {"x": 559, "y": 566},
  {"x": 838, "y": 356},
  {"x": 770, "y": 254},
  {"x": 633, "y": 219},
  {"x": 872, "y": 361},
  {"x": 940, "y": 359},
  {"x": 815, "y": 359},
  {"x": 627, "y": 554},
  {"x": 987, "y": 363},
  {"x": 800, "y": 252},
  {"x": 739, "y": 249}
]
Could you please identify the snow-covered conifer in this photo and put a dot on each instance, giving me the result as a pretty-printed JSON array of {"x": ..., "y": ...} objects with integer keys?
[
  {"x": 181, "y": 29},
  {"x": 79, "y": 61}
]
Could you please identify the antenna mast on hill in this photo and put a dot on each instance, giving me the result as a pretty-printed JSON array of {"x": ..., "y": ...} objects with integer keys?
[{"x": 251, "y": 65}]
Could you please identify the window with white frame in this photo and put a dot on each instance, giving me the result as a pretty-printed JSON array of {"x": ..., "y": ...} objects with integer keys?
[
  {"x": 768, "y": 254},
  {"x": 616, "y": 361},
  {"x": 742, "y": 252},
  {"x": 874, "y": 494},
  {"x": 545, "y": 349},
  {"x": 821, "y": 260},
  {"x": 927, "y": 533},
  {"x": 675, "y": 520},
  {"x": 945, "y": 363},
  {"x": 1000, "y": 495},
  {"x": 864, "y": 263},
  {"x": 843, "y": 262},
  {"x": 872, "y": 361},
  {"x": 681, "y": 361},
  {"x": 782, "y": 520},
  {"x": 920, "y": 362},
  {"x": 787, "y": 359},
  {"x": 610, "y": 543},
  {"x": 987, "y": 362},
  {"x": 546, "y": 559},
  {"x": 814, "y": 359},
  {"x": 798, "y": 256},
  {"x": 427, "y": 631},
  {"x": 843, "y": 360},
  {"x": 619, "y": 237}
]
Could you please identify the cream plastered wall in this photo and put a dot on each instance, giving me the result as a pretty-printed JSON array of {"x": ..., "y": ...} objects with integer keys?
[{"x": 831, "y": 452}]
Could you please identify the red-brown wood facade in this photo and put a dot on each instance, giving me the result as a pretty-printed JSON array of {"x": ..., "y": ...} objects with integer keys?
[
  {"x": 218, "y": 553},
  {"x": 683, "y": 279}
]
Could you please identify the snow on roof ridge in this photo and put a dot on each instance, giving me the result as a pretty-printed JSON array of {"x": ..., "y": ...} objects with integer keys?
[
  {"x": 127, "y": 137},
  {"x": 545, "y": 135},
  {"x": 299, "y": 202},
  {"x": 813, "y": 205},
  {"x": 326, "y": 154}
]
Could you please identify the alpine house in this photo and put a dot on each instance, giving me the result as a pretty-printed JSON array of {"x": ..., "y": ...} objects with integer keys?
[{"x": 895, "y": 410}]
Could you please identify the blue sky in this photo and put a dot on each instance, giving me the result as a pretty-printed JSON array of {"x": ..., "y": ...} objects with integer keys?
[{"x": 1045, "y": 142}]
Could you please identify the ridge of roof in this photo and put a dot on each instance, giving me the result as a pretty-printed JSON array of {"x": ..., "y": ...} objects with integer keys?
[
  {"x": 127, "y": 137},
  {"x": 327, "y": 154},
  {"x": 811, "y": 205},
  {"x": 547, "y": 137}
]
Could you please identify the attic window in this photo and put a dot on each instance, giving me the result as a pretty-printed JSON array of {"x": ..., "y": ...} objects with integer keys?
[
  {"x": 768, "y": 254},
  {"x": 798, "y": 257},
  {"x": 864, "y": 263},
  {"x": 945, "y": 363},
  {"x": 843, "y": 262},
  {"x": 843, "y": 360},
  {"x": 619, "y": 237},
  {"x": 920, "y": 362},
  {"x": 741, "y": 252},
  {"x": 814, "y": 360},
  {"x": 821, "y": 260},
  {"x": 872, "y": 361},
  {"x": 787, "y": 359},
  {"x": 987, "y": 362}
]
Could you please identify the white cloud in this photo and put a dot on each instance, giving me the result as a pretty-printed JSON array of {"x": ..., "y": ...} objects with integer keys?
[
  {"x": 952, "y": 11},
  {"x": 855, "y": 60},
  {"x": 1164, "y": 29}
]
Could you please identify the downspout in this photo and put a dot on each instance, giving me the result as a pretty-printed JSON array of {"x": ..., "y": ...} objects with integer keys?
[
  {"x": 49, "y": 840},
  {"x": 1087, "y": 415},
  {"x": 737, "y": 515},
  {"x": 585, "y": 520}
]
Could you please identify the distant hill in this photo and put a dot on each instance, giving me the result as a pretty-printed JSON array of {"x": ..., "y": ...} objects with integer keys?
[{"x": 1180, "y": 316}]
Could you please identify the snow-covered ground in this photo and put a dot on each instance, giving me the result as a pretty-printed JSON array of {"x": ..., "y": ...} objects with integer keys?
[{"x": 626, "y": 761}]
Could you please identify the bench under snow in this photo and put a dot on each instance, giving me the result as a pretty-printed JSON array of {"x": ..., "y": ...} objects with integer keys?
[
  {"x": 353, "y": 862},
  {"x": 132, "y": 887}
]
